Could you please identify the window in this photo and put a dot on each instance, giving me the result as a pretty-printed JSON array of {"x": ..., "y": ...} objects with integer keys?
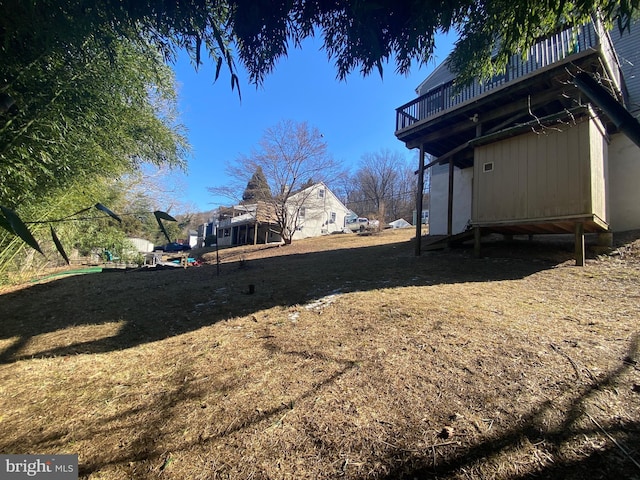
[
  {"x": 332, "y": 217},
  {"x": 321, "y": 193},
  {"x": 301, "y": 212},
  {"x": 487, "y": 167}
]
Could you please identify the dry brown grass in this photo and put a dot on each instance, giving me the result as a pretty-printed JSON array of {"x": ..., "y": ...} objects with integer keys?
[{"x": 352, "y": 359}]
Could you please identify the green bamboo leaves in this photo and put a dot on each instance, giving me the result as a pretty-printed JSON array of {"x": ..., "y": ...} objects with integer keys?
[
  {"x": 10, "y": 221},
  {"x": 4, "y": 223}
]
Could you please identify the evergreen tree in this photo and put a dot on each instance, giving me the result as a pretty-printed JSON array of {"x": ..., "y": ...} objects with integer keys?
[
  {"x": 257, "y": 188},
  {"x": 307, "y": 184},
  {"x": 358, "y": 36}
]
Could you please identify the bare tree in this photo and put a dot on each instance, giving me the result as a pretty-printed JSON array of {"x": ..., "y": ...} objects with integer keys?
[
  {"x": 384, "y": 186},
  {"x": 292, "y": 156}
]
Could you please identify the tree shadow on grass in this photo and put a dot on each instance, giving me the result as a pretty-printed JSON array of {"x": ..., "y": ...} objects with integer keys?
[
  {"x": 151, "y": 434},
  {"x": 151, "y": 305},
  {"x": 619, "y": 459},
  {"x": 145, "y": 430}
]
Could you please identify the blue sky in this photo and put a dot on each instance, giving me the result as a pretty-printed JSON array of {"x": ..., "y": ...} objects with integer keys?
[{"x": 356, "y": 116}]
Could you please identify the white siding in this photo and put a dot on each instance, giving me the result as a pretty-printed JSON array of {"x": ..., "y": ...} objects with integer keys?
[
  {"x": 629, "y": 55},
  {"x": 141, "y": 245},
  {"x": 439, "y": 194},
  {"x": 624, "y": 180},
  {"x": 317, "y": 212}
]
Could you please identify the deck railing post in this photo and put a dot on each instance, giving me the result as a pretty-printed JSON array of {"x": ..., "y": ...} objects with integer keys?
[
  {"x": 420, "y": 189},
  {"x": 450, "y": 198}
]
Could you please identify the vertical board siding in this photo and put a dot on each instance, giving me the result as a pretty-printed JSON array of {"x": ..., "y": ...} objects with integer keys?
[
  {"x": 523, "y": 172},
  {"x": 545, "y": 175},
  {"x": 598, "y": 172}
]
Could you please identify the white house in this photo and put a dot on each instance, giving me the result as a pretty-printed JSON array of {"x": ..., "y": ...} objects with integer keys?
[
  {"x": 316, "y": 211},
  {"x": 311, "y": 212},
  {"x": 550, "y": 146}
]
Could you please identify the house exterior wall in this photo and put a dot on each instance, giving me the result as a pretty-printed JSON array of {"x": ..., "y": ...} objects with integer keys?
[
  {"x": 205, "y": 230},
  {"x": 624, "y": 175},
  {"x": 626, "y": 45},
  {"x": 239, "y": 227},
  {"x": 141, "y": 245},
  {"x": 318, "y": 209},
  {"x": 542, "y": 176},
  {"x": 224, "y": 236},
  {"x": 438, "y": 199},
  {"x": 234, "y": 230}
]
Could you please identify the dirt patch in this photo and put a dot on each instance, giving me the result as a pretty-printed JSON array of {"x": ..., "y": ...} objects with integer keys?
[{"x": 352, "y": 358}]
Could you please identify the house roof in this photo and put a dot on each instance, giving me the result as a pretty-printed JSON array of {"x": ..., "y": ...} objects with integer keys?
[
  {"x": 327, "y": 191},
  {"x": 262, "y": 212},
  {"x": 441, "y": 75}
]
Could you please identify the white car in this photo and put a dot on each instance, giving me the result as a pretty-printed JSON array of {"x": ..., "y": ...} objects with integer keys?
[{"x": 359, "y": 224}]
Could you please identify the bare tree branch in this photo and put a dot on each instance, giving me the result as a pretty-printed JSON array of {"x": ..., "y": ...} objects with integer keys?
[{"x": 291, "y": 156}]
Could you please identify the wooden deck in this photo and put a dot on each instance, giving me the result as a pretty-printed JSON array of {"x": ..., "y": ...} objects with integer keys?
[
  {"x": 563, "y": 47},
  {"x": 446, "y": 117}
]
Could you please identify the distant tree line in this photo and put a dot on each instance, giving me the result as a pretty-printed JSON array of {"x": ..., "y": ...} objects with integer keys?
[
  {"x": 382, "y": 187},
  {"x": 292, "y": 156}
]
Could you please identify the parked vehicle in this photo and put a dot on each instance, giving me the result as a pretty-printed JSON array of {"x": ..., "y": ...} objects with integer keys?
[
  {"x": 359, "y": 224},
  {"x": 173, "y": 247}
]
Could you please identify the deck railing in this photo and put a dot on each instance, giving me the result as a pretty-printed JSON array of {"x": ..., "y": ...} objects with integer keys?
[{"x": 548, "y": 51}]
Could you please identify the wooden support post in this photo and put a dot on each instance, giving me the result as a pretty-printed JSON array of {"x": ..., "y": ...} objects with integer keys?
[
  {"x": 450, "y": 200},
  {"x": 419, "y": 190},
  {"x": 580, "y": 254},
  {"x": 255, "y": 233},
  {"x": 476, "y": 242}
]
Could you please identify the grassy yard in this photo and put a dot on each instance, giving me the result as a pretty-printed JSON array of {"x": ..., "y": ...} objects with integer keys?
[{"x": 352, "y": 358}]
